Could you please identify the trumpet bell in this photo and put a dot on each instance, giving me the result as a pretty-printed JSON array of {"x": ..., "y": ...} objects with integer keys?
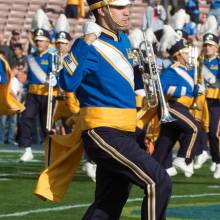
[{"x": 167, "y": 118}]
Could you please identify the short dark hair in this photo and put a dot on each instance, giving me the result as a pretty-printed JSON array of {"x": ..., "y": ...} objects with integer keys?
[
  {"x": 17, "y": 45},
  {"x": 15, "y": 32}
]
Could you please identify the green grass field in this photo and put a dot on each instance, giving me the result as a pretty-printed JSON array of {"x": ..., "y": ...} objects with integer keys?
[{"x": 195, "y": 198}]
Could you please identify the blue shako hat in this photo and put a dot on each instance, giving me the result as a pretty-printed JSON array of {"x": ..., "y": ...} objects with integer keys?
[{"x": 210, "y": 38}]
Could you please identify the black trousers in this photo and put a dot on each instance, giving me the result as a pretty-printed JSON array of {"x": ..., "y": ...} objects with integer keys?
[
  {"x": 34, "y": 104},
  {"x": 214, "y": 128},
  {"x": 120, "y": 162},
  {"x": 185, "y": 128}
]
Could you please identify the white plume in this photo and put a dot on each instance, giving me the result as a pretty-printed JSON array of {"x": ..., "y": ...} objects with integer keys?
[
  {"x": 40, "y": 20},
  {"x": 211, "y": 25},
  {"x": 178, "y": 20},
  {"x": 62, "y": 24},
  {"x": 169, "y": 38},
  {"x": 136, "y": 37}
]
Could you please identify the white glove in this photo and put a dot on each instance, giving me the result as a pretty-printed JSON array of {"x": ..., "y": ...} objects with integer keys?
[
  {"x": 201, "y": 89},
  {"x": 211, "y": 80},
  {"x": 90, "y": 27},
  {"x": 52, "y": 80}
]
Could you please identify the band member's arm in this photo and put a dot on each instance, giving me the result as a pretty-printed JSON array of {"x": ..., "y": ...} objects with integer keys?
[{"x": 77, "y": 64}]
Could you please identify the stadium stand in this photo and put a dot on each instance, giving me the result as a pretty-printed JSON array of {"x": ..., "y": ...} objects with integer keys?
[{"x": 17, "y": 14}]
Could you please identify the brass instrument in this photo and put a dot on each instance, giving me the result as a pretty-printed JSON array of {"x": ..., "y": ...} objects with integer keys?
[
  {"x": 56, "y": 63},
  {"x": 151, "y": 80},
  {"x": 193, "y": 62}
]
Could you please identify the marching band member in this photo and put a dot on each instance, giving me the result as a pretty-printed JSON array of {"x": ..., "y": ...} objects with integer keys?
[
  {"x": 202, "y": 114},
  {"x": 39, "y": 67},
  {"x": 178, "y": 85},
  {"x": 101, "y": 76},
  {"x": 210, "y": 71},
  {"x": 66, "y": 104}
]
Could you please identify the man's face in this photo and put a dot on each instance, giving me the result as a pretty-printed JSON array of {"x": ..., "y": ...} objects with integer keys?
[
  {"x": 183, "y": 57},
  {"x": 117, "y": 17},
  {"x": 42, "y": 45},
  {"x": 63, "y": 48},
  {"x": 210, "y": 50}
]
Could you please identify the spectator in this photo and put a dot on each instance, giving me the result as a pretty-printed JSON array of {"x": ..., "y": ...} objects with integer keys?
[
  {"x": 192, "y": 8},
  {"x": 72, "y": 9},
  {"x": 215, "y": 9},
  {"x": 5, "y": 49},
  {"x": 190, "y": 28},
  {"x": 201, "y": 25},
  {"x": 19, "y": 57},
  {"x": 175, "y": 5},
  {"x": 15, "y": 38},
  {"x": 154, "y": 16}
]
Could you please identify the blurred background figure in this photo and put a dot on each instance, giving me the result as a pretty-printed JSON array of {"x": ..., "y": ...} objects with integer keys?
[
  {"x": 215, "y": 9},
  {"x": 75, "y": 9},
  {"x": 18, "y": 55},
  {"x": 8, "y": 123},
  {"x": 39, "y": 67},
  {"x": 154, "y": 16},
  {"x": 192, "y": 8}
]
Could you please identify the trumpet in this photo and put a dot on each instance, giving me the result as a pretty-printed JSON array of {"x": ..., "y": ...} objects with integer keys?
[{"x": 151, "y": 79}]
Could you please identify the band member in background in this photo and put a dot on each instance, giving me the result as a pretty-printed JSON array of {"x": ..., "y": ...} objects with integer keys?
[
  {"x": 101, "y": 76},
  {"x": 178, "y": 85},
  {"x": 211, "y": 73},
  {"x": 39, "y": 67},
  {"x": 66, "y": 104}
]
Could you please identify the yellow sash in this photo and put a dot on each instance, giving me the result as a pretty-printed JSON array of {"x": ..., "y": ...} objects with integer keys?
[
  {"x": 9, "y": 105},
  {"x": 66, "y": 152},
  {"x": 65, "y": 108}
]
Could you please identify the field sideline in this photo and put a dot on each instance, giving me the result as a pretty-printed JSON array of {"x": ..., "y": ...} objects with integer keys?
[{"x": 196, "y": 198}]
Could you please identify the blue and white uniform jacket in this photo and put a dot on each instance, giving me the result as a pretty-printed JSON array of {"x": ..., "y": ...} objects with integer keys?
[
  {"x": 211, "y": 73},
  {"x": 102, "y": 77},
  {"x": 39, "y": 67},
  {"x": 178, "y": 83},
  {"x": 3, "y": 78}
]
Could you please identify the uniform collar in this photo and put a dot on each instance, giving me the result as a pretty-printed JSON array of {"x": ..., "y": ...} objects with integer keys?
[
  {"x": 109, "y": 34},
  {"x": 43, "y": 53},
  {"x": 178, "y": 64},
  {"x": 211, "y": 59}
]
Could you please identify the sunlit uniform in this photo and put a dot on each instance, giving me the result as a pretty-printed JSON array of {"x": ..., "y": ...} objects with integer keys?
[
  {"x": 38, "y": 71},
  {"x": 178, "y": 87},
  {"x": 103, "y": 83},
  {"x": 211, "y": 73},
  {"x": 102, "y": 77},
  {"x": 39, "y": 67},
  {"x": 177, "y": 83}
]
